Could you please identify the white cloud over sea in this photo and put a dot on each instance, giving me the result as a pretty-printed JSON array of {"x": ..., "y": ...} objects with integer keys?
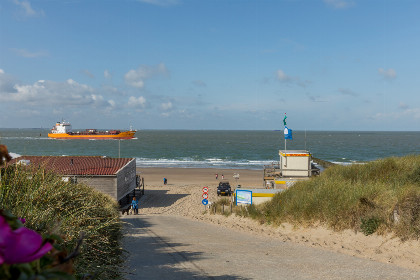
[
  {"x": 44, "y": 93},
  {"x": 27, "y": 10},
  {"x": 136, "y": 77},
  {"x": 388, "y": 74}
]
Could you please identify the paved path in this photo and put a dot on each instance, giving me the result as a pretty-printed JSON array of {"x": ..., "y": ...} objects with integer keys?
[{"x": 173, "y": 247}]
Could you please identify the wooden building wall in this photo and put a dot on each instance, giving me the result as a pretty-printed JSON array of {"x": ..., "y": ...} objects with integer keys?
[
  {"x": 104, "y": 184},
  {"x": 126, "y": 180}
]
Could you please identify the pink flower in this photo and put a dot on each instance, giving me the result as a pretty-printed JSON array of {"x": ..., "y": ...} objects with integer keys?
[{"x": 21, "y": 245}]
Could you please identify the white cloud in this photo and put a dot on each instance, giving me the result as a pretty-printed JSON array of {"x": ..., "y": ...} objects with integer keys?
[
  {"x": 284, "y": 78},
  {"x": 137, "y": 101},
  {"x": 112, "y": 103},
  {"x": 166, "y": 106},
  {"x": 389, "y": 74},
  {"x": 406, "y": 114},
  {"x": 29, "y": 54},
  {"x": 339, "y": 4},
  {"x": 7, "y": 83},
  {"x": 403, "y": 106},
  {"x": 136, "y": 78},
  {"x": 54, "y": 94},
  {"x": 107, "y": 74},
  {"x": 281, "y": 76},
  {"x": 27, "y": 8}
]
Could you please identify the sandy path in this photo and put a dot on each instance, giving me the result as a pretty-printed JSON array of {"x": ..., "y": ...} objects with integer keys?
[
  {"x": 175, "y": 247},
  {"x": 183, "y": 199}
]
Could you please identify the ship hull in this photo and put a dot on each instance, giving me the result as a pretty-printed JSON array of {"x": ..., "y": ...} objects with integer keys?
[{"x": 98, "y": 136}]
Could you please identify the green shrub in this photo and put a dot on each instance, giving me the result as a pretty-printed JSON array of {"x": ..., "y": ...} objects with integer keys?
[
  {"x": 361, "y": 197},
  {"x": 369, "y": 225},
  {"x": 50, "y": 205}
]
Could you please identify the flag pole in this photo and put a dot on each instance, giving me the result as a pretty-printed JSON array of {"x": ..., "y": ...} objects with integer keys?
[{"x": 285, "y": 140}]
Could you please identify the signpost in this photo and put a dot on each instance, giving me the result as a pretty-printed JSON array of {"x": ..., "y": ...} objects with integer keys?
[{"x": 205, "y": 196}]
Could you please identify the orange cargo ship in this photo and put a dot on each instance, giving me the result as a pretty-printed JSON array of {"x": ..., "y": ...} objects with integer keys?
[{"x": 63, "y": 130}]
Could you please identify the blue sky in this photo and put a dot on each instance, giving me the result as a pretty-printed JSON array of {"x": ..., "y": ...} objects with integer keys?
[{"x": 184, "y": 64}]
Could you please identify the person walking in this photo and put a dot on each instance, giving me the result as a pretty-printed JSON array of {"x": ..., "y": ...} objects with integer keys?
[{"x": 135, "y": 205}]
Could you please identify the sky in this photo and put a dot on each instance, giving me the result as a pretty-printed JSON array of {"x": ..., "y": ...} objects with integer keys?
[{"x": 348, "y": 65}]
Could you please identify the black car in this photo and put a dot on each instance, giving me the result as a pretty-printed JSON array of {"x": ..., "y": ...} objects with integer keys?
[{"x": 224, "y": 189}]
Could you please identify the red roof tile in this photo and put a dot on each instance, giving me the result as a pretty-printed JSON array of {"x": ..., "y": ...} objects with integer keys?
[{"x": 77, "y": 165}]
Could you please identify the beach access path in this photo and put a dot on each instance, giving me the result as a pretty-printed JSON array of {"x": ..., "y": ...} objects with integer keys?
[
  {"x": 173, "y": 238},
  {"x": 173, "y": 247}
]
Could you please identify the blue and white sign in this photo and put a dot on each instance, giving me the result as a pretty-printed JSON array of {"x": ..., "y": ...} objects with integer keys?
[
  {"x": 243, "y": 197},
  {"x": 288, "y": 133},
  {"x": 205, "y": 201}
]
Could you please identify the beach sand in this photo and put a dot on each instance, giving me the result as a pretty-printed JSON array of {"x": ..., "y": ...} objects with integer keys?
[
  {"x": 200, "y": 176},
  {"x": 183, "y": 194}
]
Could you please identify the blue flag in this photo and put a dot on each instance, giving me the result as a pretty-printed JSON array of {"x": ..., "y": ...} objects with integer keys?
[{"x": 288, "y": 133}]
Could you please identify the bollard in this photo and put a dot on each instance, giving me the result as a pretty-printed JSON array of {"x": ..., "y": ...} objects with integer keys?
[{"x": 223, "y": 209}]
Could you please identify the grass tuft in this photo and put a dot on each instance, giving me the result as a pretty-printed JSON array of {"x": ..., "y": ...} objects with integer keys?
[
  {"x": 51, "y": 205},
  {"x": 379, "y": 196}
]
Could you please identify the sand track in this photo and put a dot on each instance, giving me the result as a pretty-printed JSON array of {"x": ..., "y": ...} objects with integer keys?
[{"x": 185, "y": 201}]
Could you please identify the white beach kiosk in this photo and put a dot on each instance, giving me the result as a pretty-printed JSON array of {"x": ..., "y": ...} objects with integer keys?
[{"x": 295, "y": 163}]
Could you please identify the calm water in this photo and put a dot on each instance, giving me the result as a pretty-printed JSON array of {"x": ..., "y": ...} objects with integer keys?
[{"x": 219, "y": 149}]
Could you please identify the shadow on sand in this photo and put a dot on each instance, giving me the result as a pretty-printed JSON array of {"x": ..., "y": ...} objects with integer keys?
[
  {"x": 150, "y": 256},
  {"x": 159, "y": 198}
]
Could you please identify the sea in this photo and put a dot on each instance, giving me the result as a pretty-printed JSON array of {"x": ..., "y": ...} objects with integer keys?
[{"x": 227, "y": 149}]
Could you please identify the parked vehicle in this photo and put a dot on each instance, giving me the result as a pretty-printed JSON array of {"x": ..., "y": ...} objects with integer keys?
[{"x": 224, "y": 189}]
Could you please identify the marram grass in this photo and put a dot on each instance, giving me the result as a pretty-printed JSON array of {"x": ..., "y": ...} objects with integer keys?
[
  {"x": 50, "y": 205},
  {"x": 379, "y": 196}
]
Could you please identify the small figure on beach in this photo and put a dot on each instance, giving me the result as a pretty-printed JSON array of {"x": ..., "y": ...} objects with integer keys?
[
  {"x": 135, "y": 205},
  {"x": 165, "y": 181},
  {"x": 223, "y": 177},
  {"x": 217, "y": 176}
]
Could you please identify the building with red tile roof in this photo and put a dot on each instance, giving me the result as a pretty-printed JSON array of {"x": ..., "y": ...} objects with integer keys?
[{"x": 113, "y": 176}]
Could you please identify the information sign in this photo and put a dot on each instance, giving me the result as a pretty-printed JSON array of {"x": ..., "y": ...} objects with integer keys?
[{"x": 243, "y": 197}]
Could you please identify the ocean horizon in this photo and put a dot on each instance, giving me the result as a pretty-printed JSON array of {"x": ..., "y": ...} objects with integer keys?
[{"x": 229, "y": 149}]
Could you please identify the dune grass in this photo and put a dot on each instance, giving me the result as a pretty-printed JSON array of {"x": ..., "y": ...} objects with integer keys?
[
  {"x": 379, "y": 196},
  {"x": 50, "y": 205}
]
